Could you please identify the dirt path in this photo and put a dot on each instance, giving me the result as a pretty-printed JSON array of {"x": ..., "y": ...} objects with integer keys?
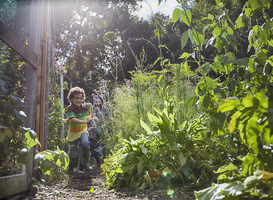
[{"x": 91, "y": 186}]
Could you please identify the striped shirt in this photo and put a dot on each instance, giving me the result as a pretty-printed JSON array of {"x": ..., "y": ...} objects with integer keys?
[{"x": 75, "y": 130}]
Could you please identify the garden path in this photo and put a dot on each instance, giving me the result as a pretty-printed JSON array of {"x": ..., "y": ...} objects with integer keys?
[{"x": 91, "y": 186}]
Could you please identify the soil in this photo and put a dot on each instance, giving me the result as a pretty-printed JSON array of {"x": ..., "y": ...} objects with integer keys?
[{"x": 91, "y": 185}]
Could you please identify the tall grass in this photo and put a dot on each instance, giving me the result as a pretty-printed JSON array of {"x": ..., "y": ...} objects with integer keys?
[{"x": 132, "y": 100}]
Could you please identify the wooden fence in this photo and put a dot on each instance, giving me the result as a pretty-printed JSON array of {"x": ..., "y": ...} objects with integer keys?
[{"x": 39, "y": 56}]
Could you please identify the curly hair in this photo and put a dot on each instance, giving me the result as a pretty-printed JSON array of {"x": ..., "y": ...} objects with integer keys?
[{"x": 75, "y": 90}]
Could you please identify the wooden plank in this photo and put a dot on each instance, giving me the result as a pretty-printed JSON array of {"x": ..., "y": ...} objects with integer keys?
[
  {"x": 34, "y": 42},
  {"x": 43, "y": 75},
  {"x": 38, "y": 101},
  {"x": 13, "y": 41}
]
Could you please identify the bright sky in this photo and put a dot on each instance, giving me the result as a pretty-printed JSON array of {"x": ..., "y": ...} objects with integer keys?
[{"x": 165, "y": 8}]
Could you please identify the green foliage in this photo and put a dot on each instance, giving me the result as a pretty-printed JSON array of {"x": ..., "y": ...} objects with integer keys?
[
  {"x": 26, "y": 154},
  {"x": 250, "y": 119},
  {"x": 247, "y": 104},
  {"x": 221, "y": 191},
  {"x": 55, "y": 125},
  {"x": 163, "y": 155},
  {"x": 11, "y": 110},
  {"x": 52, "y": 163},
  {"x": 236, "y": 122}
]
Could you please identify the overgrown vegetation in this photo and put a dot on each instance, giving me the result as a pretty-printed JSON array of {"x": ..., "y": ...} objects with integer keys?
[
  {"x": 231, "y": 136},
  {"x": 201, "y": 116}
]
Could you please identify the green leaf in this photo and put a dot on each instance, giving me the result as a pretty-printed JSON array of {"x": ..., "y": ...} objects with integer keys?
[
  {"x": 248, "y": 101},
  {"x": 216, "y": 31},
  {"x": 222, "y": 178},
  {"x": 263, "y": 36},
  {"x": 128, "y": 168},
  {"x": 240, "y": 21},
  {"x": 227, "y": 168},
  {"x": 218, "y": 65},
  {"x": 242, "y": 61},
  {"x": 38, "y": 158},
  {"x": 45, "y": 166},
  {"x": 31, "y": 139},
  {"x": 234, "y": 121},
  {"x": 229, "y": 104},
  {"x": 201, "y": 88},
  {"x": 254, "y": 4},
  {"x": 210, "y": 17},
  {"x": 253, "y": 131},
  {"x": 219, "y": 44},
  {"x": 192, "y": 101},
  {"x": 261, "y": 58},
  {"x": 210, "y": 83},
  {"x": 184, "y": 39},
  {"x": 270, "y": 60},
  {"x": 251, "y": 181},
  {"x": 221, "y": 120},
  {"x": 190, "y": 35},
  {"x": 165, "y": 119},
  {"x": 64, "y": 158},
  {"x": 198, "y": 38},
  {"x": 270, "y": 42},
  {"x": 143, "y": 149},
  {"x": 206, "y": 101},
  {"x": 158, "y": 111},
  {"x": 182, "y": 159},
  {"x": 153, "y": 119},
  {"x": 218, "y": 2},
  {"x": 184, "y": 55},
  {"x": 205, "y": 68},
  {"x": 185, "y": 65},
  {"x": 146, "y": 127},
  {"x": 248, "y": 12},
  {"x": 91, "y": 190},
  {"x": 176, "y": 14},
  {"x": 160, "y": 78},
  {"x": 25, "y": 156},
  {"x": 232, "y": 189},
  {"x": 158, "y": 59},
  {"x": 186, "y": 17},
  {"x": 248, "y": 164},
  {"x": 140, "y": 166},
  {"x": 233, "y": 41}
]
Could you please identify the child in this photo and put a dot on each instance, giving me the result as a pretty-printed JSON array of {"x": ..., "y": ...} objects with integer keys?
[
  {"x": 77, "y": 113},
  {"x": 95, "y": 146}
]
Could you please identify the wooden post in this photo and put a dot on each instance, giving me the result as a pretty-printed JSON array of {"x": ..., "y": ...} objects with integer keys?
[
  {"x": 32, "y": 74},
  {"x": 40, "y": 119}
]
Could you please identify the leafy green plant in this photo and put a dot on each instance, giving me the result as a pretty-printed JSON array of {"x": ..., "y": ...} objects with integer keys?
[
  {"x": 250, "y": 121},
  {"x": 11, "y": 119},
  {"x": 248, "y": 110},
  {"x": 52, "y": 163},
  {"x": 167, "y": 153}
]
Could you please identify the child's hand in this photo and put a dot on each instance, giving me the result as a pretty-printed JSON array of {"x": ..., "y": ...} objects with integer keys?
[{"x": 88, "y": 120}]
